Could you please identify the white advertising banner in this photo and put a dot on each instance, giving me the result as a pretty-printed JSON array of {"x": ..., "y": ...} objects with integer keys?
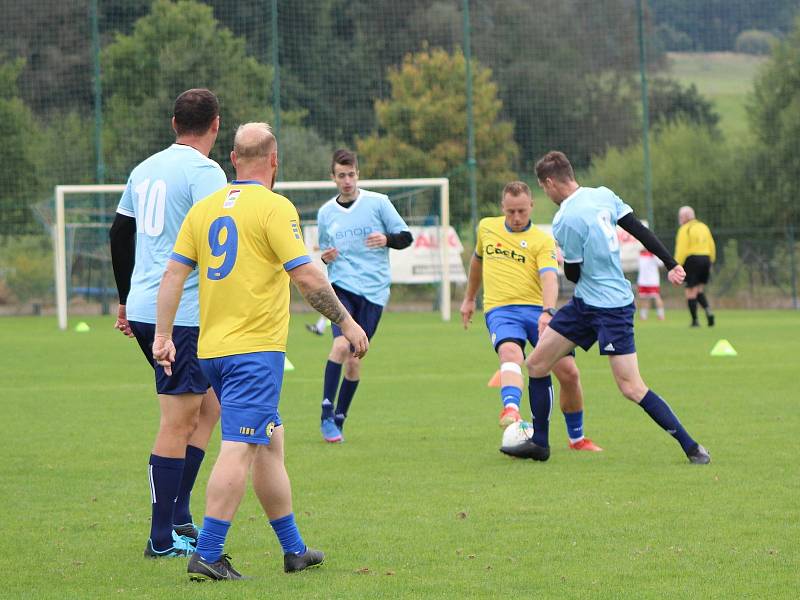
[{"x": 419, "y": 263}]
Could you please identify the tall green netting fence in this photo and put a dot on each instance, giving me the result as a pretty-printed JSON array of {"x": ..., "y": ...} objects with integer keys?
[{"x": 86, "y": 90}]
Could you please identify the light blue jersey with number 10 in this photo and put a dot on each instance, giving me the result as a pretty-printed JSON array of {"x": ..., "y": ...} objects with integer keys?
[
  {"x": 585, "y": 228},
  {"x": 160, "y": 192}
]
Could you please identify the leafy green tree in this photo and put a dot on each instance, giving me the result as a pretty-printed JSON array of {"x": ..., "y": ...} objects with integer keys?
[
  {"x": 775, "y": 121},
  {"x": 715, "y": 24},
  {"x": 691, "y": 165},
  {"x": 303, "y": 154},
  {"x": 423, "y": 125},
  {"x": 179, "y": 45},
  {"x": 19, "y": 179},
  {"x": 670, "y": 102}
]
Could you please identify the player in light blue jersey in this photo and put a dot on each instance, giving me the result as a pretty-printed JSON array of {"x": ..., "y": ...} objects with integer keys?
[
  {"x": 356, "y": 230},
  {"x": 602, "y": 308},
  {"x": 159, "y": 193}
]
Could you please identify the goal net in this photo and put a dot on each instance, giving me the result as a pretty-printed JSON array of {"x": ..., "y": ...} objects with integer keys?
[{"x": 83, "y": 214}]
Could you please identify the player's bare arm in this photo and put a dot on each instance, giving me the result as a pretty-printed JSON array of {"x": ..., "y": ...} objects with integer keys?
[
  {"x": 473, "y": 284},
  {"x": 315, "y": 288},
  {"x": 329, "y": 255},
  {"x": 376, "y": 239},
  {"x": 396, "y": 241},
  {"x": 169, "y": 297},
  {"x": 549, "y": 281},
  {"x": 122, "y": 321},
  {"x": 676, "y": 275}
]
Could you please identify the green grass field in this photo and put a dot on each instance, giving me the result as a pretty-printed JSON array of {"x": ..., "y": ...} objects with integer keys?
[
  {"x": 418, "y": 502},
  {"x": 726, "y": 78}
]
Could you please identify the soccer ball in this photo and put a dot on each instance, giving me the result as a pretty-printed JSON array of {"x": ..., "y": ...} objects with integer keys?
[{"x": 517, "y": 433}]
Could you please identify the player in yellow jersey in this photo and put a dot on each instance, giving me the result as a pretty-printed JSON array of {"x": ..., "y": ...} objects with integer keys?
[
  {"x": 696, "y": 251},
  {"x": 246, "y": 243},
  {"x": 517, "y": 263}
]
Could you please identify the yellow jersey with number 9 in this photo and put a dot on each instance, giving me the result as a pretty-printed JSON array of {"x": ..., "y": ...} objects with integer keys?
[{"x": 243, "y": 239}]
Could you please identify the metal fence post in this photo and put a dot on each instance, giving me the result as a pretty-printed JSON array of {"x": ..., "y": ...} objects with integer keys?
[
  {"x": 471, "y": 162},
  {"x": 276, "y": 78},
  {"x": 792, "y": 264},
  {"x": 648, "y": 174}
]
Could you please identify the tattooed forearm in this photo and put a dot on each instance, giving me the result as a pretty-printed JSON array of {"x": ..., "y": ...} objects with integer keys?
[{"x": 325, "y": 302}]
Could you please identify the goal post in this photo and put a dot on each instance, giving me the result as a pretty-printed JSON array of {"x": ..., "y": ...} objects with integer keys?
[{"x": 440, "y": 184}]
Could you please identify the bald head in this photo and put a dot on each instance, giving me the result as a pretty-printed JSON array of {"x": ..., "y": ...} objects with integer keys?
[
  {"x": 685, "y": 214},
  {"x": 255, "y": 153},
  {"x": 253, "y": 141}
]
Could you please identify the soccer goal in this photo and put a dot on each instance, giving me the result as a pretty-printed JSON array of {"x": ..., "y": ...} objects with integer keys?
[{"x": 83, "y": 214}]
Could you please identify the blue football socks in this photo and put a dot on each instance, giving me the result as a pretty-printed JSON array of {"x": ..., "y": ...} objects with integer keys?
[
  {"x": 662, "y": 414},
  {"x": 165, "y": 479},
  {"x": 574, "y": 421},
  {"x": 183, "y": 511},
  {"x": 212, "y": 539},
  {"x": 511, "y": 394},
  {"x": 346, "y": 393},
  {"x": 541, "y": 399},
  {"x": 288, "y": 534},
  {"x": 332, "y": 373}
]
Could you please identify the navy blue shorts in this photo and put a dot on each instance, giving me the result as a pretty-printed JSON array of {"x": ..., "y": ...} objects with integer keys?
[
  {"x": 248, "y": 387},
  {"x": 584, "y": 325},
  {"x": 365, "y": 313},
  {"x": 187, "y": 377}
]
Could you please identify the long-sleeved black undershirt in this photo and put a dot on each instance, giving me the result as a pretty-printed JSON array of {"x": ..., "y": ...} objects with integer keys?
[
  {"x": 636, "y": 228},
  {"x": 122, "y": 238},
  {"x": 649, "y": 240}
]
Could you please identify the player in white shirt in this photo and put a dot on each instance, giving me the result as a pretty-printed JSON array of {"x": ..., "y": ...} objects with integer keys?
[{"x": 648, "y": 284}]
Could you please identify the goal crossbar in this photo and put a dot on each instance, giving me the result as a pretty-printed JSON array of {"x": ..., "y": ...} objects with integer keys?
[{"x": 60, "y": 246}]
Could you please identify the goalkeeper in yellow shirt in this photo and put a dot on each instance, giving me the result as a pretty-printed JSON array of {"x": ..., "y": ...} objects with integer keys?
[
  {"x": 517, "y": 264},
  {"x": 695, "y": 250}
]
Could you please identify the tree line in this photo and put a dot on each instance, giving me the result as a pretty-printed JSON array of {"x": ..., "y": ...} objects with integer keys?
[{"x": 385, "y": 79}]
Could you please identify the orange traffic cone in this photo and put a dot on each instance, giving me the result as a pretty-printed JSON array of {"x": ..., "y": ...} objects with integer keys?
[{"x": 495, "y": 380}]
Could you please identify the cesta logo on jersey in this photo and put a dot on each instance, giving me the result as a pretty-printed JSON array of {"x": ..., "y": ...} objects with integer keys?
[{"x": 499, "y": 251}]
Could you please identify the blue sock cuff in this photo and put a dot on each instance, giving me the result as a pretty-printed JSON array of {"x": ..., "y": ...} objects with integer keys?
[
  {"x": 193, "y": 452},
  {"x": 574, "y": 421},
  {"x": 166, "y": 463},
  {"x": 214, "y": 525},
  {"x": 212, "y": 538},
  {"x": 288, "y": 534},
  {"x": 282, "y": 521},
  {"x": 648, "y": 399},
  {"x": 509, "y": 393}
]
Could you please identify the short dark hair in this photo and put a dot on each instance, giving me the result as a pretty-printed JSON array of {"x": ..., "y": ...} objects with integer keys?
[
  {"x": 517, "y": 188},
  {"x": 555, "y": 165},
  {"x": 344, "y": 157},
  {"x": 195, "y": 111}
]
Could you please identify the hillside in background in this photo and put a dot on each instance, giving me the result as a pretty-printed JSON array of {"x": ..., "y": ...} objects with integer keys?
[{"x": 725, "y": 78}]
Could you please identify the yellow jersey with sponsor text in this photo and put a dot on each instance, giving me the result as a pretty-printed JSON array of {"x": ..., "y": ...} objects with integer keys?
[{"x": 513, "y": 262}]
